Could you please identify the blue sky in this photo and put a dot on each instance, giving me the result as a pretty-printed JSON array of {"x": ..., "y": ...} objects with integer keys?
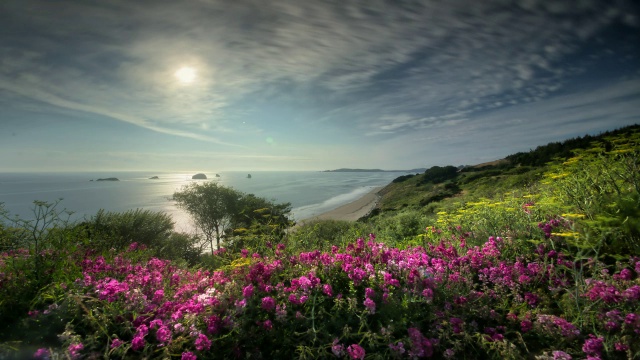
[{"x": 205, "y": 85}]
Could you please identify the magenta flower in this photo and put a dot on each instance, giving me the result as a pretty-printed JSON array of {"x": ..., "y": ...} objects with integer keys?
[
  {"x": 247, "y": 291},
  {"x": 356, "y": 351},
  {"x": 420, "y": 345},
  {"x": 138, "y": 342},
  {"x": 42, "y": 353},
  {"x": 526, "y": 325},
  {"x": 368, "y": 292},
  {"x": 370, "y": 305},
  {"x": 619, "y": 346},
  {"x": 268, "y": 303},
  {"x": 158, "y": 295},
  {"x": 593, "y": 345},
  {"x": 304, "y": 283},
  {"x": 116, "y": 343},
  {"x": 561, "y": 355},
  {"x": 74, "y": 350},
  {"x": 188, "y": 355},
  {"x": 202, "y": 342},
  {"x": 163, "y": 335},
  {"x": 398, "y": 347},
  {"x": 428, "y": 294},
  {"x": 336, "y": 348},
  {"x": 327, "y": 290}
]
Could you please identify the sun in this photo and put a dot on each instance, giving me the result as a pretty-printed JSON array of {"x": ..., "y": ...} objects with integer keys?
[{"x": 186, "y": 74}]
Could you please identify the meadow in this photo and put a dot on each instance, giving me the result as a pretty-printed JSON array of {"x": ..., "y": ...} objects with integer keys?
[{"x": 509, "y": 261}]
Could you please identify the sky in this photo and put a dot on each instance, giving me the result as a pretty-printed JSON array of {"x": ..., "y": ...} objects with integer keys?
[{"x": 213, "y": 85}]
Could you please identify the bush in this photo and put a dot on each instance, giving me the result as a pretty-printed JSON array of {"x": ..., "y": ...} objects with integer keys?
[
  {"x": 322, "y": 234},
  {"x": 118, "y": 230}
]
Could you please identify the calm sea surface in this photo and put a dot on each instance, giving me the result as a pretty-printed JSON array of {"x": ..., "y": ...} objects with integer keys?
[{"x": 310, "y": 193}]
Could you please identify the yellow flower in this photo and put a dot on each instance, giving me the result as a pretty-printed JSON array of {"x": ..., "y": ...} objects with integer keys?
[
  {"x": 566, "y": 234},
  {"x": 573, "y": 215}
]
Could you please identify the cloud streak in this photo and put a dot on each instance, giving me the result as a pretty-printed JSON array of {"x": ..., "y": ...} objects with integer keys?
[{"x": 316, "y": 73}]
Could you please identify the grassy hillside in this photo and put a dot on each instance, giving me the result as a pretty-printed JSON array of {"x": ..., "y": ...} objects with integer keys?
[{"x": 512, "y": 260}]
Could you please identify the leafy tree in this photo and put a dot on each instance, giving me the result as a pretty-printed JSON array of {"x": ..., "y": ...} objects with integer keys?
[
  {"x": 253, "y": 210},
  {"x": 258, "y": 222},
  {"x": 211, "y": 206},
  {"x": 437, "y": 174}
]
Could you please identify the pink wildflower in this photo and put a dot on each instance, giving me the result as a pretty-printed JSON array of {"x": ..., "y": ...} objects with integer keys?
[
  {"x": 593, "y": 345},
  {"x": 163, "y": 334},
  {"x": 188, "y": 355},
  {"x": 370, "y": 305},
  {"x": 336, "y": 348},
  {"x": 42, "y": 353},
  {"x": 621, "y": 346},
  {"x": 202, "y": 342},
  {"x": 356, "y": 351},
  {"x": 247, "y": 291},
  {"x": 74, "y": 350},
  {"x": 268, "y": 303},
  {"x": 138, "y": 342},
  {"x": 561, "y": 355},
  {"x": 420, "y": 345},
  {"x": 327, "y": 290},
  {"x": 116, "y": 343}
]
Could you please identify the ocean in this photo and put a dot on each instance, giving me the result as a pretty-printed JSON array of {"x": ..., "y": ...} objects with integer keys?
[{"x": 310, "y": 193}]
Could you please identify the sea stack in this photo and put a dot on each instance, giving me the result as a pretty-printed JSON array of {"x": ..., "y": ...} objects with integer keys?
[{"x": 199, "y": 176}]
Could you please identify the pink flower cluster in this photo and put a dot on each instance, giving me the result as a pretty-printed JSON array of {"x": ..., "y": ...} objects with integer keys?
[{"x": 446, "y": 291}]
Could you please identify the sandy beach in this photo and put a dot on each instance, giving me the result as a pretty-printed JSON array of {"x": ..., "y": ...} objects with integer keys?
[{"x": 351, "y": 211}]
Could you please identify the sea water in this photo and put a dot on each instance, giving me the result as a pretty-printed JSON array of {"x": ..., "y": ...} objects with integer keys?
[{"x": 310, "y": 193}]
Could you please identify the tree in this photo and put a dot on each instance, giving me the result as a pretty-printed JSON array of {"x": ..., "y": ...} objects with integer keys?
[
  {"x": 211, "y": 207},
  {"x": 258, "y": 221},
  {"x": 252, "y": 209}
]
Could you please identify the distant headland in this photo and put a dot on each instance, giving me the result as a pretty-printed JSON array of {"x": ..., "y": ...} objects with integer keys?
[
  {"x": 109, "y": 179},
  {"x": 421, "y": 170}
]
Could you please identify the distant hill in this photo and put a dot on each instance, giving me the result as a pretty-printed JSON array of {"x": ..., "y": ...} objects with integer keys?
[
  {"x": 514, "y": 172},
  {"x": 563, "y": 150},
  {"x": 420, "y": 170}
]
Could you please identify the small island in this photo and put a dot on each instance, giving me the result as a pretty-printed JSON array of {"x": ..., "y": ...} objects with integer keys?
[
  {"x": 199, "y": 176},
  {"x": 109, "y": 179},
  {"x": 154, "y": 178}
]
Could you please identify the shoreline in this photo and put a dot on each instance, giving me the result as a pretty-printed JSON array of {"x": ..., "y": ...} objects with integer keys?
[{"x": 351, "y": 211}]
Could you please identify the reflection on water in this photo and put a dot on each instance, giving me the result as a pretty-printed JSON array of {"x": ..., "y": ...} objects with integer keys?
[{"x": 310, "y": 193}]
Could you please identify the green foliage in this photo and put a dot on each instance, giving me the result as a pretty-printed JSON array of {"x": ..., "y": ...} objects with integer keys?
[
  {"x": 211, "y": 207},
  {"x": 40, "y": 253},
  {"x": 257, "y": 223},
  {"x": 438, "y": 174},
  {"x": 322, "y": 234},
  {"x": 114, "y": 230},
  {"x": 244, "y": 220},
  {"x": 402, "y": 178},
  {"x": 563, "y": 150},
  {"x": 400, "y": 227},
  {"x": 602, "y": 187}
]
